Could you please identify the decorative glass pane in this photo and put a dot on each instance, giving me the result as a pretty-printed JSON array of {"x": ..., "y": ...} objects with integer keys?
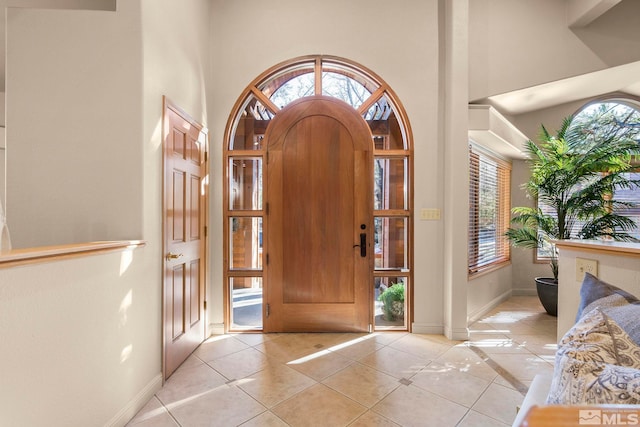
[
  {"x": 390, "y": 183},
  {"x": 245, "y": 183},
  {"x": 281, "y": 77},
  {"x": 345, "y": 88},
  {"x": 385, "y": 128},
  {"x": 251, "y": 125},
  {"x": 390, "y": 304},
  {"x": 391, "y": 243},
  {"x": 245, "y": 243},
  {"x": 246, "y": 302},
  {"x": 294, "y": 88}
]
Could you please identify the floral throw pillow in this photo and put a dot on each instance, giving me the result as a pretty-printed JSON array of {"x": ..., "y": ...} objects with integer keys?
[
  {"x": 619, "y": 305},
  {"x": 596, "y": 362}
]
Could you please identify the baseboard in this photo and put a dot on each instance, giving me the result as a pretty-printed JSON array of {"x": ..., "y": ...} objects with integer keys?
[
  {"x": 427, "y": 328},
  {"x": 489, "y": 306},
  {"x": 216, "y": 329},
  {"x": 524, "y": 292},
  {"x": 456, "y": 334},
  {"x": 133, "y": 407}
]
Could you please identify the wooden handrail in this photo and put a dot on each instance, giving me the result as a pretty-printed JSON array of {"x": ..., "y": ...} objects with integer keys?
[
  {"x": 42, "y": 254},
  {"x": 619, "y": 248}
]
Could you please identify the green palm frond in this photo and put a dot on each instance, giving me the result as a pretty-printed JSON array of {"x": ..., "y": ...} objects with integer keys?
[{"x": 574, "y": 174}]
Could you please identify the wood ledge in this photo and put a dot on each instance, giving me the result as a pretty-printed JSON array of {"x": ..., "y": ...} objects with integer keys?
[
  {"x": 611, "y": 247},
  {"x": 54, "y": 253}
]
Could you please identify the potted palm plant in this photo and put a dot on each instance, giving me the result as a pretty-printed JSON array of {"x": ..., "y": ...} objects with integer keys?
[{"x": 574, "y": 176}]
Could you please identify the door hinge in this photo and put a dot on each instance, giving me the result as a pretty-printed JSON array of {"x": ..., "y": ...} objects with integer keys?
[
  {"x": 206, "y": 231},
  {"x": 266, "y": 208},
  {"x": 267, "y": 310},
  {"x": 267, "y": 157},
  {"x": 206, "y": 156},
  {"x": 205, "y": 305}
]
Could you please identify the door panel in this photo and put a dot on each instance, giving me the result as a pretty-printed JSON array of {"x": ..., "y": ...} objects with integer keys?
[
  {"x": 184, "y": 243},
  {"x": 319, "y": 185}
]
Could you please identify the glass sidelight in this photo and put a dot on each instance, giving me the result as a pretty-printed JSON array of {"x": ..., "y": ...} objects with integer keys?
[
  {"x": 245, "y": 240},
  {"x": 246, "y": 302},
  {"x": 390, "y": 302}
]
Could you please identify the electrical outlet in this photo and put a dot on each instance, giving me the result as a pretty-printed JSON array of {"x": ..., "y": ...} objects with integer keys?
[
  {"x": 429, "y": 214},
  {"x": 585, "y": 266}
]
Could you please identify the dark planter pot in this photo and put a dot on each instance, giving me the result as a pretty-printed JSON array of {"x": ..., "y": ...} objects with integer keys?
[{"x": 548, "y": 293}]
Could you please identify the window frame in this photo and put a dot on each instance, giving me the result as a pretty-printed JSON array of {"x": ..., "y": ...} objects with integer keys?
[
  {"x": 502, "y": 182},
  {"x": 629, "y": 103},
  {"x": 242, "y": 142}
]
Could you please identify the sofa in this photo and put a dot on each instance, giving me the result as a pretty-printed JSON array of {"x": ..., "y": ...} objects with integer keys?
[{"x": 598, "y": 359}]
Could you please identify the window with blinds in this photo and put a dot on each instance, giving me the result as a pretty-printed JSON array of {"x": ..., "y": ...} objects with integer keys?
[
  {"x": 627, "y": 195},
  {"x": 489, "y": 209}
]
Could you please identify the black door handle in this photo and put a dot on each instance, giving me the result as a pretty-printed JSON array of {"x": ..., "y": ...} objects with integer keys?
[{"x": 363, "y": 245}]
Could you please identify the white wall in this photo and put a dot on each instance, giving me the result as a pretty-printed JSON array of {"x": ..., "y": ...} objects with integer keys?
[
  {"x": 177, "y": 65},
  {"x": 488, "y": 290},
  {"x": 620, "y": 270},
  {"x": 80, "y": 342},
  {"x": 517, "y": 44},
  {"x": 84, "y": 334},
  {"x": 74, "y": 170},
  {"x": 398, "y": 43}
]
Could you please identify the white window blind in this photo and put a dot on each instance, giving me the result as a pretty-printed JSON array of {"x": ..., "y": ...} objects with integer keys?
[{"x": 489, "y": 209}]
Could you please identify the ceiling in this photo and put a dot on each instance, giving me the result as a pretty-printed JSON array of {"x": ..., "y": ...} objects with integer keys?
[
  {"x": 620, "y": 73},
  {"x": 623, "y": 78}
]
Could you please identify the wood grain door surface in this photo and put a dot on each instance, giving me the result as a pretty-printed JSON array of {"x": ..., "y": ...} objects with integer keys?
[
  {"x": 319, "y": 216},
  {"x": 184, "y": 240}
]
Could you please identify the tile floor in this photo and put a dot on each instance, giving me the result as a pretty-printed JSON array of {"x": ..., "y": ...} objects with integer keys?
[{"x": 379, "y": 379}]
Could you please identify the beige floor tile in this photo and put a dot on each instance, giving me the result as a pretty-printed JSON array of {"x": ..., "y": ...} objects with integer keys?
[
  {"x": 245, "y": 374},
  {"x": 537, "y": 344},
  {"x": 358, "y": 348},
  {"x": 492, "y": 343},
  {"x": 516, "y": 327},
  {"x": 411, "y": 406},
  {"x": 192, "y": 361},
  {"x": 462, "y": 359},
  {"x": 423, "y": 346},
  {"x": 254, "y": 338},
  {"x": 476, "y": 419},
  {"x": 189, "y": 382},
  {"x": 499, "y": 402},
  {"x": 227, "y": 405},
  {"x": 395, "y": 362},
  {"x": 219, "y": 346},
  {"x": 321, "y": 364},
  {"x": 274, "y": 384},
  {"x": 287, "y": 347},
  {"x": 386, "y": 338},
  {"x": 153, "y": 414},
  {"x": 266, "y": 419},
  {"x": 505, "y": 383},
  {"x": 371, "y": 419},
  {"x": 522, "y": 368},
  {"x": 319, "y": 405},
  {"x": 241, "y": 364},
  {"x": 459, "y": 387},
  {"x": 363, "y": 384},
  {"x": 324, "y": 340}
]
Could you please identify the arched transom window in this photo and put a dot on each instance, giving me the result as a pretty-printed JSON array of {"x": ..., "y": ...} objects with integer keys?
[{"x": 245, "y": 153}]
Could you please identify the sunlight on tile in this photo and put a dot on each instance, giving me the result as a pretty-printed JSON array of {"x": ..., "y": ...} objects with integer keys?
[{"x": 378, "y": 379}]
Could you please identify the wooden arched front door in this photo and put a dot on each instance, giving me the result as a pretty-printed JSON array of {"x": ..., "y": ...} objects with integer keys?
[{"x": 319, "y": 218}]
